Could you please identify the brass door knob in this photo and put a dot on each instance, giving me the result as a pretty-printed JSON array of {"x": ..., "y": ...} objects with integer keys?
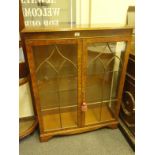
[{"x": 84, "y": 107}]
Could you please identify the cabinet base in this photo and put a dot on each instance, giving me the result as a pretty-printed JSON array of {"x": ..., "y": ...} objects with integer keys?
[
  {"x": 46, "y": 136},
  {"x": 113, "y": 126}
]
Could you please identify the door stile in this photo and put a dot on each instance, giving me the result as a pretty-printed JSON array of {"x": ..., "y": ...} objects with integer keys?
[
  {"x": 84, "y": 71},
  {"x": 34, "y": 84},
  {"x": 122, "y": 79},
  {"x": 79, "y": 60}
]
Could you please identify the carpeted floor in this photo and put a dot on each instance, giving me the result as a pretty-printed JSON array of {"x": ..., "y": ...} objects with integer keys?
[{"x": 99, "y": 142}]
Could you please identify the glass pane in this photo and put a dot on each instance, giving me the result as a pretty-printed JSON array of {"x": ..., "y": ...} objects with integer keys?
[
  {"x": 46, "y": 13},
  {"x": 108, "y": 111},
  {"x": 56, "y": 70},
  {"x": 104, "y": 67}
]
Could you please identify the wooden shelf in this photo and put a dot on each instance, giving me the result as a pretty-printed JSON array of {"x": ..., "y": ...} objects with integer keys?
[
  {"x": 27, "y": 126},
  {"x": 53, "y": 92},
  {"x": 66, "y": 117},
  {"x": 98, "y": 113},
  {"x": 55, "y": 119}
]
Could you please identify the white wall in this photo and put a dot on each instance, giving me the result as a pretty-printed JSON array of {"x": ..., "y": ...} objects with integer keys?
[
  {"x": 108, "y": 11},
  {"x": 102, "y": 11},
  {"x": 82, "y": 11}
]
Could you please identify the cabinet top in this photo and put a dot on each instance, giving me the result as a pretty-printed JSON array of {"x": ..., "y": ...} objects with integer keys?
[{"x": 77, "y": 28}]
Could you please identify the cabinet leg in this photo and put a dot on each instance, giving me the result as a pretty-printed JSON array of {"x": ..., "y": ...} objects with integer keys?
[
  {"x": 45, "y": 138},
  {"x": 113, "y": 126}
]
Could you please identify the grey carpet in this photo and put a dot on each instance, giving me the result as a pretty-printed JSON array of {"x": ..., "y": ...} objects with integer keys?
[{"x": 99, "y": 142}]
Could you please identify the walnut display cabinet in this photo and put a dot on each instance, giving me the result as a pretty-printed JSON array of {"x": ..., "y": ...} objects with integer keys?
[{"x": 77, "y": 76}]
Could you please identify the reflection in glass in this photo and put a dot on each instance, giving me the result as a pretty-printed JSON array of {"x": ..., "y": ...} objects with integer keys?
[{"x": 47, "y": 13}]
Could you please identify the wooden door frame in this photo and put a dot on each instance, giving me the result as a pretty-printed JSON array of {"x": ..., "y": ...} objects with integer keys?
[
  {"x": 103, "y": 39},
  {"x": 34, "y": 42}
]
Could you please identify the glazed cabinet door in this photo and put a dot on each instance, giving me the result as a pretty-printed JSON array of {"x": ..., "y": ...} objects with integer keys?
[
  {"x": 54, "y": 69},
  {"x": 104, "y": 64}
]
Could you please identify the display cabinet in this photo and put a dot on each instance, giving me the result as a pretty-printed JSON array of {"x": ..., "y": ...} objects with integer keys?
[{"x": 77, "y": 76}]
